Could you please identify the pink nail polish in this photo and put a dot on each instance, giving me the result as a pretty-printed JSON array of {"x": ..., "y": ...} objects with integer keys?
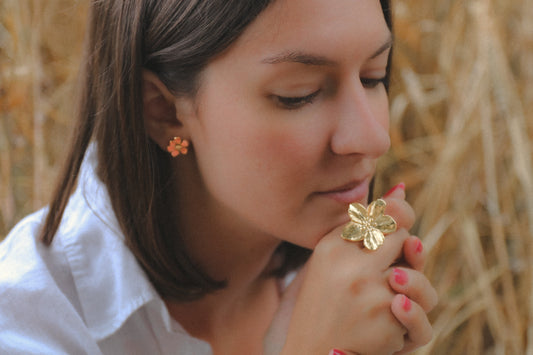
[
  {"x": 401, "y": 185},
  {"x": 406, "y": 305},
  {"x": 336, "y": 352},
  {"x": 400, "y": 276},
  {"x": 419, "y": 247}
]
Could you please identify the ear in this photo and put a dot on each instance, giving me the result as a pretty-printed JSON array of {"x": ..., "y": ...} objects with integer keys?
[{"x": 162, "y": 120}]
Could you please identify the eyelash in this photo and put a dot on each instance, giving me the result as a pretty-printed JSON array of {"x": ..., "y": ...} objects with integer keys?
[
  {"x": 294, "y": 103},
  {"x": 372, "y": 83}
]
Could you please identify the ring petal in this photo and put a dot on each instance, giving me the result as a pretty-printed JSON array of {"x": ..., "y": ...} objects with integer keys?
[
  {"x": 373, "y": 239},
  {"x": 376, "y": 208},
  {"x": 357, "y": 212},
  {"x": 385, "y": 223},
  {"x": 353, "y": 232}
]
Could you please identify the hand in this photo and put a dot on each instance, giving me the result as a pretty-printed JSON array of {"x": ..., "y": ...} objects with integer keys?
[
  {"x": 364, "y": 316},
  {"x": 416, "y": 296},
  {"x": 345, "y": 300}
]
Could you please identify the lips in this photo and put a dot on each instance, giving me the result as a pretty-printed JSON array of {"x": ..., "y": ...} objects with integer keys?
[{"x": 354, "y": 191}]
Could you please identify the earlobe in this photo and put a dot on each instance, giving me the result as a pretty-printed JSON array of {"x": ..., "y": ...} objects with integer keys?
[{"x": 159, "y": 110}]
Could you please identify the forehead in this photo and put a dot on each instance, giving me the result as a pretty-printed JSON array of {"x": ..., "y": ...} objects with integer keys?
[{"x": 344, "y": 27}]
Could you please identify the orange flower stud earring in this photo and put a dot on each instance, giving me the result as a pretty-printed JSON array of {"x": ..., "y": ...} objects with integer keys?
[{"x": 178, "y": 146}]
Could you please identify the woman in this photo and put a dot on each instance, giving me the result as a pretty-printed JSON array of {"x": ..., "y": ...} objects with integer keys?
[{"x": 221, "y": 142}]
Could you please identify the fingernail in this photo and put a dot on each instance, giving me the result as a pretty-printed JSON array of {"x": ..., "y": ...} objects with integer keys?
[
  {"x": 400, "y": 276},
  {"x": 406, "y": 305},
  {"x": 336, "y": 352},
  {"x": 401, "y": 185},
  {"x": 419, "y": 247}
]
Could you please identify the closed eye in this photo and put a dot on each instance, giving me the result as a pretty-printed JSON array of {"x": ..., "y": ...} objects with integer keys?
[
  {"x": 293, "y": 103},
  {"x": 371, "y": 83}
]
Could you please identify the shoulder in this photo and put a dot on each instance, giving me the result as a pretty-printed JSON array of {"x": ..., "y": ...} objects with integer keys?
[
  {"x": 39, "y": 312},
  {"x": 27, "y": 265},
  {"x": 79, "y": 290},
  {"x": 22, "y": 257}
]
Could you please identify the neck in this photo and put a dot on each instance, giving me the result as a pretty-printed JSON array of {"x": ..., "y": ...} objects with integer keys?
[
  {"x": 224, "y": 245},
  {"x": 247, "y": 305},
  {"x": 227, "y": 249}
]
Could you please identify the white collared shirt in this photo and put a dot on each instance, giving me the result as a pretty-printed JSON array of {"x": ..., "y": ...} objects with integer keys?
[{"x": 86, "y": 293}]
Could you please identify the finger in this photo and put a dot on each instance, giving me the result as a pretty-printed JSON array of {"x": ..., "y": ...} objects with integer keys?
[
  {"x": 334, "y": 247},
  {"x": 414, "y": 319},
  {"x": 392, "y": 249},
  {"x": 398, "y": 207},
  {"x": 401, "y": 211},
  {"x": 397, "y": 191},
  {"x": 414, "y": 254},
  {"x": 414, "y": 285}
]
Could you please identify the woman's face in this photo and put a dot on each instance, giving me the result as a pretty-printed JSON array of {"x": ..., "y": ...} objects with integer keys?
[{"x": 290, "y": 120}]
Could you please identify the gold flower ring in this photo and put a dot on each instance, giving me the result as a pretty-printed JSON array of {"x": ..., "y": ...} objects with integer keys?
[{"x": 368, "y": 224}]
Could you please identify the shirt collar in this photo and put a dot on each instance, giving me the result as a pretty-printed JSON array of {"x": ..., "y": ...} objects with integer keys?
[{"x": 110, "y": 283}]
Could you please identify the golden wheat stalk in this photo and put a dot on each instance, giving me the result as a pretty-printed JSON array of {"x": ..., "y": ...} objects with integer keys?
[{"x": 461, "y": 127}]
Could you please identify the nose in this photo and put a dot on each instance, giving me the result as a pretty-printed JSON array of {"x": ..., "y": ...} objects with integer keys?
[{"x": 362, "y": 124}]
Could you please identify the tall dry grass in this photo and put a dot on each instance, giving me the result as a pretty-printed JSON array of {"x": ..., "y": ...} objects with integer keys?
[
  {"x": 40, "y": 46},
  {"x": 462, "y": 143},
  {"x": 461, "y": 128}
]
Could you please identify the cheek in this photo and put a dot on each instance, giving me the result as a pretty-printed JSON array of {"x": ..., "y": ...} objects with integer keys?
[
  {"x": 266, "y": 170},
  {"x": 260, "y": 166},
  {"x": 274, "y": 165},
  {"x": 252, "y": 146},
  {"x": 285, "y": 153}
]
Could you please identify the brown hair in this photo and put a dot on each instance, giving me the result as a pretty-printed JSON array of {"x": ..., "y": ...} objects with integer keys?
[{"x": 175, "y": 39}]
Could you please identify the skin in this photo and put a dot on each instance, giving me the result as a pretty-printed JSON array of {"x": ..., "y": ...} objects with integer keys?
[
  {"x": 267, "y": 165},
  {"x": 369, "y": 316}
]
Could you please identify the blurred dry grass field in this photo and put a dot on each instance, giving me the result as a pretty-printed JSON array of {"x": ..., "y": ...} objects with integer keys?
[{"x": 461, "y": 125}]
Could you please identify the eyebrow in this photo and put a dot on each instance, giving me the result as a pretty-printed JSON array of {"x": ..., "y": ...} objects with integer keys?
[{"x": 311, "y": 59}]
